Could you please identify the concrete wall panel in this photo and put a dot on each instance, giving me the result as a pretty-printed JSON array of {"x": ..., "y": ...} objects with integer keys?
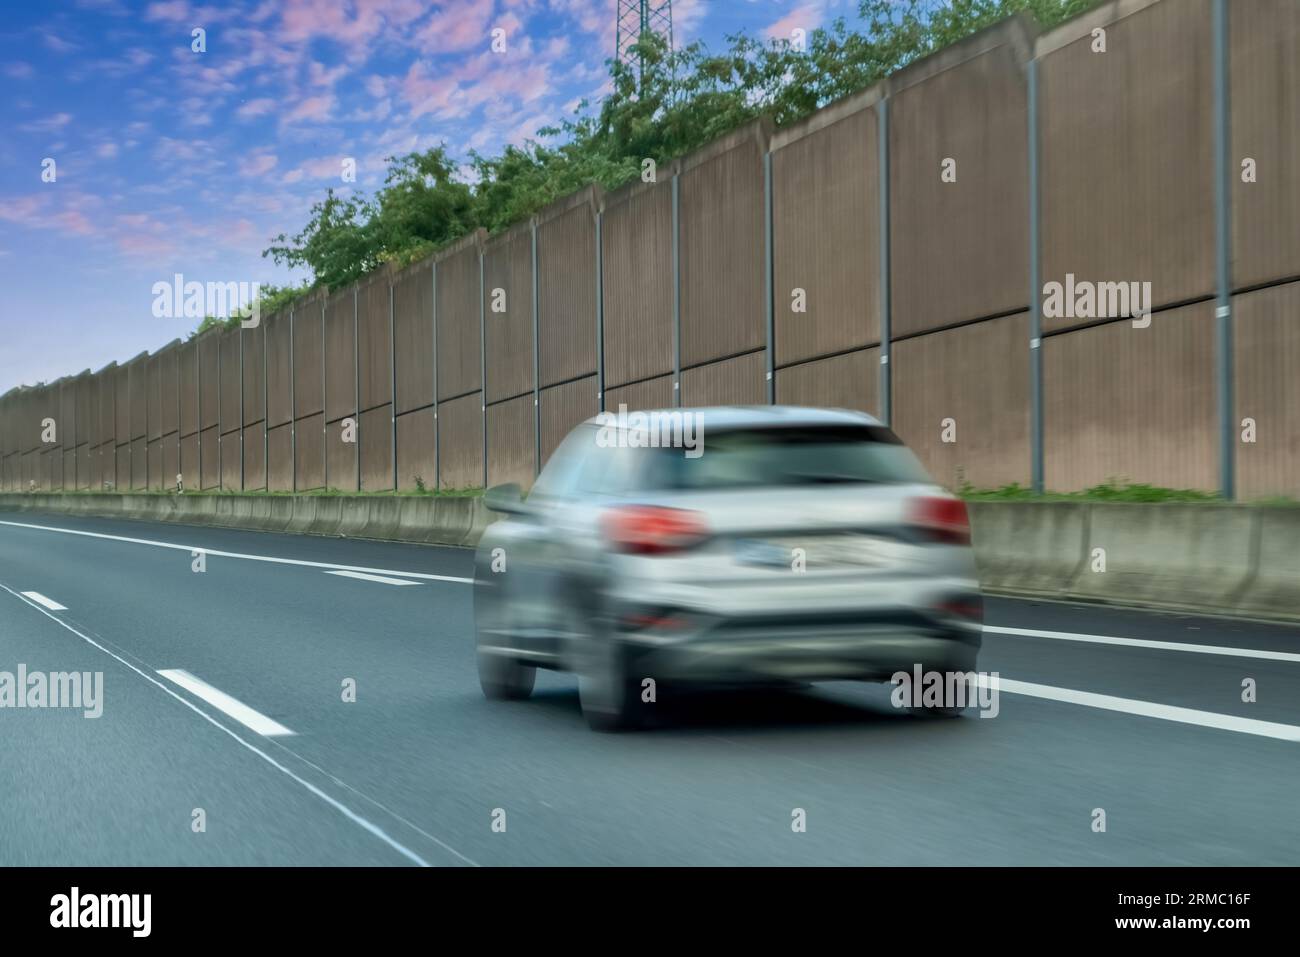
[
  {"x": 721, "y": 222},
  {"x": 566, "y": 280},
  {"x": 308, "y": 364},
  {"x": 87, "y": 424},
  {"x": 171, "y": 461},
  {"x": 168, "y": 388},
  {"x": 254, "y": 447},
  {"x": 310, "y": 452},
  {"x": 413, "y": 331},
  {"x": 210, "y": 458},
  {"x": 340, "y": 459},
  {"x": 231, "y": 463},
  {"x": 137, "y": 384},
  {"x": 562, "y": 408},
  {"x": 960, "y": 250},
  {"x": 1132, "y": 404},
  {"x": 279, "y": 385},
  {"x": 1264, "y": 84},
  {"x": 1127, "y": 159},
  {"x": 187, "y": 371},
  {"x": 508, "y": 286},
  {"x": 280, "y": 458},
  {"x": 738, "y": 381},
  {"x": 377, "y": 449},
  {"x": 460, "y": 443},
  {"x": 510, "y": 442},
  {"x": 253, "y": 343},
  {"x": 340, "y": 356},
  {"x": 825, "y": 222},
  {"x": 1267, "y": 337},
  {"x": 232, "y": 389},
  {"x": 154, "y": 455},
  {"x": 153, "y": 397},
  {"x": 106, "y": 386},
  {"x": 190, "y": 461},
  {"x": 208, "y": 346},
  {"x": 849, "y": 381},
  {"x": 459, "y": 343},
  {"x": 650, "y": 394},
  {"x": 636, "y": 239},
  {"x": 67, "y": 421},
  {"x": 139, "y": 459},
  {"x": 977, "y": 376},
  {"x": 374, "y": 342},
  {"x": 415, "y": 449}
]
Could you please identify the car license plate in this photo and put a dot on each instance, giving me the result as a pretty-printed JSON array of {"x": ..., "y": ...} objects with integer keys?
[{"x": 815, "y": 551}]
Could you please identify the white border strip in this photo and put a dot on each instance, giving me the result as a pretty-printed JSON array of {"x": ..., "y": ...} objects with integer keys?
[
  {"x": 244, "y": 557},
  {"x": 1145, "y": 709},
  {"x": 1144, "y": 643}
]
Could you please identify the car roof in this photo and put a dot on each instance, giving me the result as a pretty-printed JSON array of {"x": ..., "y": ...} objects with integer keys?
[{"x": 745, "y": 416}]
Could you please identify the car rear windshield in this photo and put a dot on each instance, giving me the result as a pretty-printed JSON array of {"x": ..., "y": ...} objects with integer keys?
[{"x": 783, "y": 456}]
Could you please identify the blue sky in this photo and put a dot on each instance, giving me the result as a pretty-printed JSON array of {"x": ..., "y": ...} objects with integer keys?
[{"x": 172, "y": 161}]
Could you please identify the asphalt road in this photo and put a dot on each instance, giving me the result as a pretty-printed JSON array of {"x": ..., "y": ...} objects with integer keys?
[{"x": 418, "y": 767}]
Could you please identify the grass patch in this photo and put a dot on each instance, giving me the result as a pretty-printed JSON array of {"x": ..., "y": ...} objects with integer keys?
[{"x": 1112, "y": 490}]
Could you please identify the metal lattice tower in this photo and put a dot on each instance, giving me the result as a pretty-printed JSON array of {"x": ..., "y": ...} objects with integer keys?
[{"x": 638, "y": 17}]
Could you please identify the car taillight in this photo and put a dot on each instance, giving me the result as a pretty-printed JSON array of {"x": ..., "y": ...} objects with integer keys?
[
  {"x": 652, "y": 530},
  {"x": 969, "y": 607},
  {"x": 942, "y": 519}
]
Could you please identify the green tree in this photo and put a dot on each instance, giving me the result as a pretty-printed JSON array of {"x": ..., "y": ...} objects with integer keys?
[{"x": 681, "y": 100}]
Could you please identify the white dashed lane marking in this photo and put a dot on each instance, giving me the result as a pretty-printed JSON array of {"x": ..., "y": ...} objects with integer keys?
[
  {"x": 40, "y": 599},
  {"x": 253, "y": 720},
  {"x": 383, "y": 579}
]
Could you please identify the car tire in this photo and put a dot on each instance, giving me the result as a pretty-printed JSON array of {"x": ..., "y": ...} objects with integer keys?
[
  {"x": 503, "y": 678},
  {"x": 610, "y": 695}
]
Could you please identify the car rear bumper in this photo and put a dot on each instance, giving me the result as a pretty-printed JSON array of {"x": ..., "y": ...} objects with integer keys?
[{"x": 872, "y": 648}]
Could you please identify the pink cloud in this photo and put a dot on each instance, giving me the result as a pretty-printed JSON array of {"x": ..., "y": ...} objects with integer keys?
[
  {"x": 170, "y": 10},
  {"x": 313, "y": 109},
  {"x": 23, "y": 209},
  {"x": 259, "y": 164},
  {"x": 258, "y": 107},
  {"x": 807, "y": 17},
  {"x": 349, "y": 25},
  {"x": 74, "y": 221},
  {"x": 457, "y": 25}
]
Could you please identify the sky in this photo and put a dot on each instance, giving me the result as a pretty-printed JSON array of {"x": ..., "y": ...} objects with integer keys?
[{"x": 128, "y": 156}]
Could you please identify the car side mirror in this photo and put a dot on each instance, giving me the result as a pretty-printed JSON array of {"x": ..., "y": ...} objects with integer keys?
[{"x": 508, "y": 499}]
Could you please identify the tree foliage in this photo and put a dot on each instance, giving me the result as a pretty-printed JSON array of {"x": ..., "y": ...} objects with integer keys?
[{"x": 681, "y": 100}]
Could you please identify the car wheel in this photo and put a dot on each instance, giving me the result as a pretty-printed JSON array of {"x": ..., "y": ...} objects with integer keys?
[
  {"x": 610, "y": 696},
  {"x": 501, "y": 677}
]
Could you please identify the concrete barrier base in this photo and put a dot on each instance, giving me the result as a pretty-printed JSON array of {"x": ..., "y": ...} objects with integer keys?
[{"x": 431, "y": 521}]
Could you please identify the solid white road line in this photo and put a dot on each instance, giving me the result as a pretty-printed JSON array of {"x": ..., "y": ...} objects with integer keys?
[
  {"x": 1144, "y": 643},
  {"x": 339, "y": 806},
  {"x": 383, "y": 579},
  {"x": 250, "y": 558},
  {"x": 253, "y": 720},
  {"x": 1146, "y": 709},
  {"x": 40, "y": 599}
]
